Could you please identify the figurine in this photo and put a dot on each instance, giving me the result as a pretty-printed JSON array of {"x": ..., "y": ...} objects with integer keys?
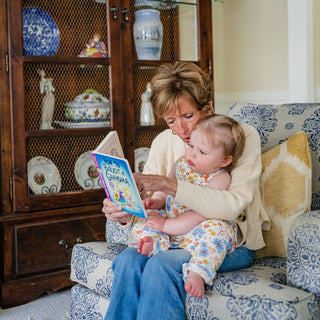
[
  {"x": 146, "y": 113},
  {"x": 94, "y": 48},
  {"x": 47, "y": 89},
  {"x": 96, "y": 43}
]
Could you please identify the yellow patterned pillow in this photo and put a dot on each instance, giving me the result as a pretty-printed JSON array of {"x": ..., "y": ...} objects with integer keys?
[{"x": 285, "y": 185}]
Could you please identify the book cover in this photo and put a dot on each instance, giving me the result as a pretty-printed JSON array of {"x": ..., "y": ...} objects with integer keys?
[{"x": 116, "y": 175}]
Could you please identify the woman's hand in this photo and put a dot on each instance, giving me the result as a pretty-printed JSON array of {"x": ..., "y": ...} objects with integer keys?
[
  {"x": 155, "y": 221},
  {"x": 151, "y": 182},
  {"x": 114, "y": 213}
]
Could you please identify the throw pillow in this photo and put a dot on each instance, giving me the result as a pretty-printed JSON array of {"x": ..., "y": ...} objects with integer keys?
[{"x": 285, "y": 185}]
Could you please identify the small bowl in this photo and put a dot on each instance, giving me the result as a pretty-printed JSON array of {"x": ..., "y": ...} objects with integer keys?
[{"x": 89, "y": 106}]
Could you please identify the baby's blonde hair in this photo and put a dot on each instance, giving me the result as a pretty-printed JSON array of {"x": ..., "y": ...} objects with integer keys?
[{"x": 232, "y": 138}]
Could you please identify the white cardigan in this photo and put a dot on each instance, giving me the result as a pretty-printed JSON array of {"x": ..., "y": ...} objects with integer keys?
[{"x": 241, "y": 203}]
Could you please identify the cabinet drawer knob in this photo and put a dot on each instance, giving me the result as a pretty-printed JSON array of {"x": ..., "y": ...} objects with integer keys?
[
  {"x": 64, "y": 244},
  {"x": 79, "y": 240}
]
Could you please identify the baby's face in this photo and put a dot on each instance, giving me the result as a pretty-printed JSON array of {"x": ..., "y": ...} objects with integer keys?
[{"x": 202, "y": 155}]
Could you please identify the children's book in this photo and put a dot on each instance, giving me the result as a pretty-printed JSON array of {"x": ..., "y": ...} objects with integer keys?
[{"x": 116, "y": 175}]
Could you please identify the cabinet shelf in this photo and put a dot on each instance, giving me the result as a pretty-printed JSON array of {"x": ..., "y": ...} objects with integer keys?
[
  {"x": 157, "y": 128},
  {"x": 150, "y": 63},
  {"x": 69, "y": 132},
  {"x": 159, "y": 4},
  {"x": 190, "y": 3},
  {"x": 66, "y": 60}
]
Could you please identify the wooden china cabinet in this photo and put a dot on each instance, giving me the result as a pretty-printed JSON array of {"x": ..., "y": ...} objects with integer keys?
[{"x": 46, "y": 204}]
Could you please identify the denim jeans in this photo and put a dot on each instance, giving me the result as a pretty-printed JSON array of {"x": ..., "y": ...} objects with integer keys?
[{"x": 148, "y": 288}]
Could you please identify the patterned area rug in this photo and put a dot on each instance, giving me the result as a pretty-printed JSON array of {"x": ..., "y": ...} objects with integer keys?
[{"x": 48, "y": 307}]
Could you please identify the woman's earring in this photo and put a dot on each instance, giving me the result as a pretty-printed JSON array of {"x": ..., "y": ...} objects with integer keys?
[{"x": 173, "y": 132}]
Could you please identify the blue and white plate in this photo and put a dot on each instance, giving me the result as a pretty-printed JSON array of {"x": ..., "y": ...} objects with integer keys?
[{"x": 40, "y": 33}]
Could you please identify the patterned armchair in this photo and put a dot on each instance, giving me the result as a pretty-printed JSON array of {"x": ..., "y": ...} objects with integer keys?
[{"x": 284, "y": 280}]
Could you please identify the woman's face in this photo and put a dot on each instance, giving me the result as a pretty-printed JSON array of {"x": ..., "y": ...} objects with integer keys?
[{"x": 184, "y": 118}]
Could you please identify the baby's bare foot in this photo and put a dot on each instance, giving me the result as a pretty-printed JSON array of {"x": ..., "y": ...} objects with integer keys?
[
  {"x": 145, "y": 246},
  {"x": 194, "y": 284}
]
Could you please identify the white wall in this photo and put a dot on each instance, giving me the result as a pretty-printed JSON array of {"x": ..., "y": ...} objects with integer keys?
[{"x": 252, "y": 44}]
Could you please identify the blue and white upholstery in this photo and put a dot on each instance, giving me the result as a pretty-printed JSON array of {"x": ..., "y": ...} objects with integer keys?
[
  {"x": 277, "y": 123},
  {"x": 272, "y": 288}
]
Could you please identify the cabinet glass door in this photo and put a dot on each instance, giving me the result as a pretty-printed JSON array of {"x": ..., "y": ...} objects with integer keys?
[
  {"x": 186, "y": 36},
  {"x": 65, "y": 100}
]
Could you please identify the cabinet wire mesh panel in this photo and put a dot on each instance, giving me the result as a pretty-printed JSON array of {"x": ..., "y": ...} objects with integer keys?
[
  {"x": 68, "y": 143},
  {"x": 77, "y": 22},
  {"x": 69, "y": 81},
  {"x": 67, "y": 153}
]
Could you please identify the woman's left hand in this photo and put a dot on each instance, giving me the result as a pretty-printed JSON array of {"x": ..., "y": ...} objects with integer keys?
[
  {"x": 146, "y": 183},
  {"x": 151, "y": 182}
]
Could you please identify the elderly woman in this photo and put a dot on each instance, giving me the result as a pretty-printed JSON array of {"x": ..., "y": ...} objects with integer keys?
[{"x": 152, "y": 287}]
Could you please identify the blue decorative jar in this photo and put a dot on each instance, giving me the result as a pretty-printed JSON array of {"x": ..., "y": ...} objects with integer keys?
[{"x": 147, "y": 33}]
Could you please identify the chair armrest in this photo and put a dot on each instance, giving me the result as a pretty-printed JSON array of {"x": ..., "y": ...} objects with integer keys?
[
  {"x": 303, "y": 254},
  {"x": 117, "y": 233}
]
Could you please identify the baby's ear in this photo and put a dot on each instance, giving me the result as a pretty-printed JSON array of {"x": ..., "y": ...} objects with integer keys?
[{"x": 226, "y": 161}]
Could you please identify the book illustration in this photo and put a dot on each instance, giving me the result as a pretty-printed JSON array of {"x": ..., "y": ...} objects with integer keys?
[{"x": 117, "y": 179}]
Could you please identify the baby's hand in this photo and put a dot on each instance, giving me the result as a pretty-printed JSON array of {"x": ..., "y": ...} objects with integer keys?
[
  {"x": 155, "y": 221},
  {"x": 152, "y": 204}
]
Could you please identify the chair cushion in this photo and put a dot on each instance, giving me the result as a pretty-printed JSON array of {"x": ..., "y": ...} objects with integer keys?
[
  {"x": 276, "y": 123},
  {"x": 259, "y": 291},
  {"x": 285, "y": 185},
  {"x": 91, "y": 264}
]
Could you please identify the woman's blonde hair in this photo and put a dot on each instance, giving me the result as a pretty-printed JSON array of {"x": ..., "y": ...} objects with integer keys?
[
  {"x": 226, "y": 132},
  {"x": 180, "y": 79}
]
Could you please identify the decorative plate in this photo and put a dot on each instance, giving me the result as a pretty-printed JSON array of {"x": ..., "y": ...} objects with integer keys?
[
  {"x": 140, "y": 158},
  {"x": 43, "y": 176},
  {"x": 86, "y": 172},
  {"x": 77, "y": 125},
  {"x": 40, "y": 33}
]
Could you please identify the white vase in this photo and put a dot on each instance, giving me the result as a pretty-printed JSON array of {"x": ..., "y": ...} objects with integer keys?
[
  {"x": 147, "y": 33},
  {"x": 146, "y": 113}
]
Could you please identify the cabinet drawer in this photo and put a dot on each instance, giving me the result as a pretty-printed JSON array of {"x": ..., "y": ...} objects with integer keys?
[{"x": 44, "y": 246}]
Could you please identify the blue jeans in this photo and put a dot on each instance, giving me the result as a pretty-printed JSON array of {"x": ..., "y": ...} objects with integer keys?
[{"x": 148, "y": 288}]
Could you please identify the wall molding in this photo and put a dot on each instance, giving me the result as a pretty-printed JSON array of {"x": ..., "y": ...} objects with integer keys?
[
  {"x": 224, "y": 101},
  {"x": 317, "y": 94},
  {"x": 300, "y": 51}
]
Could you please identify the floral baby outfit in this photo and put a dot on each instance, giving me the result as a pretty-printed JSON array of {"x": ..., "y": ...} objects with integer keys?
[{"x": 208, "y": 242}]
